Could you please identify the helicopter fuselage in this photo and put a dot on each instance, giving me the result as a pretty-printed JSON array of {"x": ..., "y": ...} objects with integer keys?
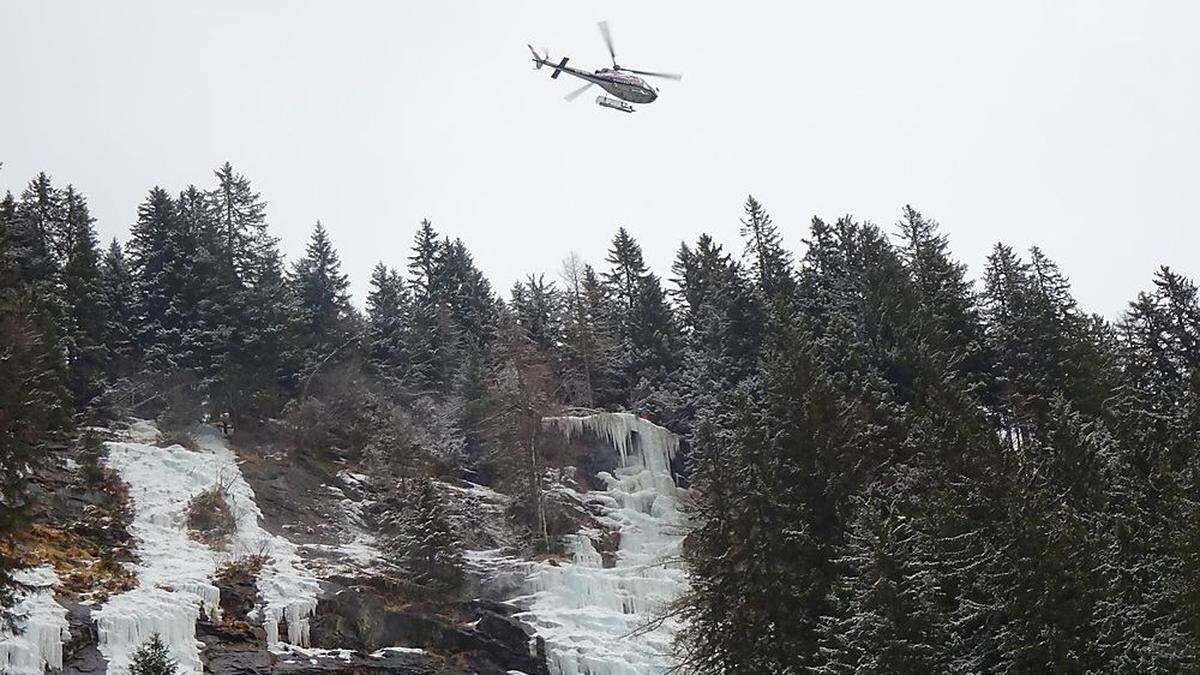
[{"x": 625, "y": 87}]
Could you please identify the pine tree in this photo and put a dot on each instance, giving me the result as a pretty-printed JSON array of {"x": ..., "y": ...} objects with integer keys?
[
  {"x": 883, "y": 610},
  {"x": 118, "y": 292},
  {"x": 86, "y": 309},
  {"x": 435, "y": 341},
  {"x": 947, "y": 298},
  {"x": 251, "y": 302},
  {"x": 324, "y": 316},
  {"x": 36, "y": 239},
  {"x": 1042, "y": 344},
  {"x": 721, "y": 323},
  {"x": 240, "y": 215},
  {"x": 643, "y": 323},
  {"x": 389, "y": 309},
  {"x": 152, "y": 658},
  {"x": 160, "y": 251},
  {"x": 208, "y": 292},
  {"x": 33, "y": 398},
  {"x": 537, "y": 308},
  {"x": 423, "y": 264},
  {"x": 770, "y": 262},
  {"x": 430, "y": 548}
]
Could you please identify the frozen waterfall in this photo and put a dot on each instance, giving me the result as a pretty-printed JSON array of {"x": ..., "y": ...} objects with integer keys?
[
  {"x": 41, "y": 626},
  {"x": 174, "y": 572},
  {"x": 587, "y": 612}
]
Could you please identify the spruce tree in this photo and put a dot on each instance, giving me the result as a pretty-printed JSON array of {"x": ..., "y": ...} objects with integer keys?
[
  {"x": 160, "y": 251},
  {"x": 770, "y": 262},
  {"x": 536, "y": 304},
  {"x": 118, "y": 292},
  {"x": 33, "y": 395},
  {"x": 389, "y": 310},
  {"x": 430, "y": 548},
  {"x": 152, "y": 658},
  {"x": 643, "y": 324},
  {"x": 883, "y": 614},
  {"x": 324, "y": 319},
  {"x": 84, "y": 302}
]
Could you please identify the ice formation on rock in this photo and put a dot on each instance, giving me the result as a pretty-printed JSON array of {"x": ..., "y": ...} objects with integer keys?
[
  {"x": 587, "y": 612},
  {"x": 655, "y": 446},
  {"x": 41, "y": 626},
  {"x": 174, "y": 572}
]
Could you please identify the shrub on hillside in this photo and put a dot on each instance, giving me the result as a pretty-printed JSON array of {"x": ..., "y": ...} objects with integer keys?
[{"x": 209, "y": 517}]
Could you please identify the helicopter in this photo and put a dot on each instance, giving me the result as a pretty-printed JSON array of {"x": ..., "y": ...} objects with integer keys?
[{"x": 623, "y": 83}]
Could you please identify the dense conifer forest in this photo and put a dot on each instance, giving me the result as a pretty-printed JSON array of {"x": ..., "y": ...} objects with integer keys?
[{"x": 895, "y": 468}]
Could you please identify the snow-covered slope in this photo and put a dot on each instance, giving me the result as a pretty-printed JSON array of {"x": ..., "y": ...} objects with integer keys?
[
  {"x": 587, "y": 613},
  {"x": 41, "y": 625},
  {"x": 174, "y": 572}
]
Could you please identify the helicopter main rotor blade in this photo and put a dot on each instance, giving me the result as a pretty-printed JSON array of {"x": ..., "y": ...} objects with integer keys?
[
  {"x": 668, "y": 76},
  {"x": 575, "y": 94},
  {"x": 607, "y": 35}
]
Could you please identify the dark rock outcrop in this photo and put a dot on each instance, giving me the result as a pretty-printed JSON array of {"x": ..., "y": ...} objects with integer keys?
[
  {"x": 80, "y": 653},
  {"x": 480, "y": 634}
]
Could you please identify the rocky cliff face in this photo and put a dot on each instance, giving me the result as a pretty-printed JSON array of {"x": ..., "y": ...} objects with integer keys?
[{"x": 301, "y": 583}]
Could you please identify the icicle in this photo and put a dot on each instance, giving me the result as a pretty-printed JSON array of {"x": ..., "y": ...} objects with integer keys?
[
  {"x": 656, "y": 447},
  {"x": 41, "y": 626},
  {"x": 174, "y": 572},
  {"x": 586, "y": 611}
]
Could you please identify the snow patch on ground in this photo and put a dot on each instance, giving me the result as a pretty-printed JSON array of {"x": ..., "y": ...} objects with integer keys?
[
  {"x": 175, "y": 572},
  {"x": 587, "y": 613},
  {"x": 41, "y": 626}
]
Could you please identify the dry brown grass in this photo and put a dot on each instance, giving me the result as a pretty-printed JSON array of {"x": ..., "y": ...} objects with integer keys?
[
  {"x": 246, "y": 568},
  {"x": 84, "y": 568}
]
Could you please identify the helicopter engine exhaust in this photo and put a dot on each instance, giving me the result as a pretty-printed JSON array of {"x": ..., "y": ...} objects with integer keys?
[{"x": 614, "y": 103}]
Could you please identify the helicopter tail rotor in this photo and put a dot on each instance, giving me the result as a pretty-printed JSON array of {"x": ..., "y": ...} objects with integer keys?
[{"x": 538, "y": 59}]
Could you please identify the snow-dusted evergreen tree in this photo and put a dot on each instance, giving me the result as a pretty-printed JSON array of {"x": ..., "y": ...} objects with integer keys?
[
  {"x": 538, "y": 310},
  {"x": 770, "y": 264},
  {"x": 947, "y": 298},
  {"x": 36, "y": 239},
  {"x": 253, "y": 302},
  {"x": 324, "y": 318},
  {"x": 117, "y": 286},
  {"x": 428, "y": 546},
  {"x": 33, "y": 395},
  {"x": 434, "y": 341},
  {"x": 884, "y": 614},
  {"x": 389, "y": 325},
  {"x": 160, "y": 254},
  {"x": 85, "y": 305},
  {"x": 720, "y": 318},
  {"x": 152, "y": 658},
  {"x": 466, "y": 293},
  {"x": 643, "y": 325}
]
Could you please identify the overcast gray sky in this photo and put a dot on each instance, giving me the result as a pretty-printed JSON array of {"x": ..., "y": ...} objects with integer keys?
[{"x": 1068, "y": 125}]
